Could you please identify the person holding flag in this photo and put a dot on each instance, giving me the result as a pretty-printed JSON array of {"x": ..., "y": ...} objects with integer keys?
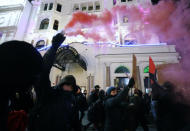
[{"x": 170, "y": 114}]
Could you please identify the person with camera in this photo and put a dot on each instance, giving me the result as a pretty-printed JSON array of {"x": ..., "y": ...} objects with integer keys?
[{"x": 114, "y": 108}]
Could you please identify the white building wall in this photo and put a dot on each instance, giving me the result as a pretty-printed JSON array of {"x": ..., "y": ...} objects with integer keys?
[
  {"x": 23, "y": 21},
  {"x": 13, "y": 16},
  {"x": 13, "y": 19}
]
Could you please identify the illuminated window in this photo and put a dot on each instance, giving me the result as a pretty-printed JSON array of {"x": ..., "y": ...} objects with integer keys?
[
  {"x": 45, "y": 7},
  {"x": 44, "y": 24},
  {"x": 125, "y": 19},
  {"x": 122, "y": 69},
  {"x": 51, "y": 6},
  {"x": 56, "y": 25},
  {"x": 59, "y": 7},
  {"x": 146, "y": 69}
]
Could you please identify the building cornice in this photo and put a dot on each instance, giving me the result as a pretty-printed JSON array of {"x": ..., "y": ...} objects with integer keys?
[{"x": 11, "y": 7}]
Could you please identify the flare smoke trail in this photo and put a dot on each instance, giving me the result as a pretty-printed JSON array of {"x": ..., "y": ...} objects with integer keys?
[{"x": 169, "y": 20}]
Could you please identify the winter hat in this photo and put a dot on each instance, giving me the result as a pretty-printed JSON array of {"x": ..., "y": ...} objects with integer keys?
[
  {"x": 109, "y": 90},
  {"x": 101, "y": 94},
  {"x": 97, "y": 87},
  {"x": 69, "y": 80},
  {"x": 20, "y": 65}
]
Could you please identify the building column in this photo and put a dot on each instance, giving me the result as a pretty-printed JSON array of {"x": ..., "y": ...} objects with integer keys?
[
  {"x": 108, "y": 79},
  {"x": 90, "y": 83},
  {"x": 33, "y": 17}
]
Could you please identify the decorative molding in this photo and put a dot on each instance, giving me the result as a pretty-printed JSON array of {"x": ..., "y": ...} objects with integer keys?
[{"x": 11, "y": 8}]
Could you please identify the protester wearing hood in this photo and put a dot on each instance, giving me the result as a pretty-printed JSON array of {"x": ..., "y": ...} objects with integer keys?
[
  {"x": 114, "y": 108},
  {"x": 24, "y": 63},
  {"x": 140, "y": 106},
  {"x": 100, "y": 115},
  {"x": 96, "y": 113},
  {"x": 94, "y": 95},
  {"x": 82, "y": 106},
  {"x": 55, "y": 108},
  {"x": 171, "y": 114}
]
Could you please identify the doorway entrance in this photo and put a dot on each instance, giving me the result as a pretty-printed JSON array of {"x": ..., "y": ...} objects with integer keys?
[{"x": 121, "y": 82}]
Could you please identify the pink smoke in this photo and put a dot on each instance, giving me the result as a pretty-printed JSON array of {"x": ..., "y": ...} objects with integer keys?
[
  {"x": 169, "y": 20},
  {"x": 173, "y": 27},
  {"x": 93, "y": 24}
]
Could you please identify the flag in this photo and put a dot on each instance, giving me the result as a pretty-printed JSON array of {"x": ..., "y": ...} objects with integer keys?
[{"x": 152, "y": 71}]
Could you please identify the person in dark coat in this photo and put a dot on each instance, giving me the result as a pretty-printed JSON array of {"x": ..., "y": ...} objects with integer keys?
[
  {"x": 96, "y": 114},
  {"x": 113, "y": 108},
  {"x": 172, "y": 115},
  {"x": 94, "y": 95},
  {"x": 21, "y": 64},
  {"x": 82, "y": 106},
  {"x": 99, "y": 123},
  {"x": 140, "y": 109},
  {"x": 22, "y": 100},
  {"x": 147, "y": 100},
  {"x": 56, "y": 107}
]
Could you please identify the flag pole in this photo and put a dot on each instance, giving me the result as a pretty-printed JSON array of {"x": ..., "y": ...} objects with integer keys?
[{"x": 134, "y": 73}]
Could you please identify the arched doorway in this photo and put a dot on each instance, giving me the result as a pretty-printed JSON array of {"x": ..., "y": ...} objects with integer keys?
[
  {"x": 69, "y": 62},
  {"x": 121, "y": 81}
]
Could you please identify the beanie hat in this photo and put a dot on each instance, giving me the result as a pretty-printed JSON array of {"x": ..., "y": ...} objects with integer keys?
[{"x": 109, "y": 90}]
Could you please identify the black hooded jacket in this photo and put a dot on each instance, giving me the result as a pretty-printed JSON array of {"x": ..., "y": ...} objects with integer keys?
[
  {"x": 56, "y": 108},
  {"x": 114, "y": 112}
]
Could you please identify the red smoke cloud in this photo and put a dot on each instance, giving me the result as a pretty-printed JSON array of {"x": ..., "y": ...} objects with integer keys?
[
  {"x": 169, "y": 20},
  {"x": 93, "y": 23},
  {"x": 175, "y": 30}
]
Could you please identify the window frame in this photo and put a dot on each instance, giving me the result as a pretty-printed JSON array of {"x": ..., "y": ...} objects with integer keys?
[
  {"x": 57, "y": 9},
  {"x": 56, "y": 25},
  {"x": 43, "y": 27},
  {"x": 50, "y": 6},
  {"x": 45, "y": 7},
  {"x": 90, "y": 7}
]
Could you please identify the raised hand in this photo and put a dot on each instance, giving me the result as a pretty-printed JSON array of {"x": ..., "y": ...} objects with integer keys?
[
  {"x": 58, "y": 40},
  {"x": 131, "y": 83}
]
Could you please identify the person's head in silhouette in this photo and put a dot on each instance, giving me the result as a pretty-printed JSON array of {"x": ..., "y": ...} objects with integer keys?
[{"x": 20, "y": 67}]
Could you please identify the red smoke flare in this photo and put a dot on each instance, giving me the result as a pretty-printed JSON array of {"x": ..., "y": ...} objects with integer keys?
[{"x": 169, "y": 20}]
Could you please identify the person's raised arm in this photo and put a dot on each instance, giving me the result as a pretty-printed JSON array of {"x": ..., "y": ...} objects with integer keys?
[
  {"x": 121, "y": 96},
  {"x": 49, "y": 56},
  {"x": 157, "y": 89},
  {"x": 43, "y": 87}
]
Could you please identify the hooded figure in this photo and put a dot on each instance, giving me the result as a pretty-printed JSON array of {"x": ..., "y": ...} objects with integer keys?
[
  {"x": 56, "y": 107},
  {"x": 94, "y": 95},
  {"x": 21, "y": 64},
  {"x": 114, "y": 108}
]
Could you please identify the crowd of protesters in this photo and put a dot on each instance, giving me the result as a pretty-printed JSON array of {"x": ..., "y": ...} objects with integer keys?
[{"x": 28, "y": 102}]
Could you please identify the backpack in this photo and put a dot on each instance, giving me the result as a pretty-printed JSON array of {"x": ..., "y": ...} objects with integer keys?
[{"x": 96, "y": 112}]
